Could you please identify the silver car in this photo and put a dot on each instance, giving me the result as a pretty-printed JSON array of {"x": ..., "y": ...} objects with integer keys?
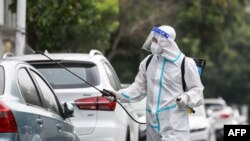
[
  {"x": 95, "y": 118},
  {"x": 223, "y": 114},
  {"x": 201, "y": 126},
  {"x": 29, "y": 109}
]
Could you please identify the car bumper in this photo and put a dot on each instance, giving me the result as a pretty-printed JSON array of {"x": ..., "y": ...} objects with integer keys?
[
  {"x": 105, "y": 133},
  {"x": 10, "y": 137},
  {"x": 201, "y": 135}
]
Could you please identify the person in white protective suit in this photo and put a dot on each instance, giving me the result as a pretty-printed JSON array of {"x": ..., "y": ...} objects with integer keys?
[{"x": 161, "y": 82}]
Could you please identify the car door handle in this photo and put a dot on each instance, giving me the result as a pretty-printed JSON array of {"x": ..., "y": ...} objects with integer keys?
[
  {"x": 39, "y": 121},
  {"x": 59, "y": 126}
]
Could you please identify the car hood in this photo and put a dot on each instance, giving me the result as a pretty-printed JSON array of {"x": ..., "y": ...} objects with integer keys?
[{"x": 197, "y": 122}]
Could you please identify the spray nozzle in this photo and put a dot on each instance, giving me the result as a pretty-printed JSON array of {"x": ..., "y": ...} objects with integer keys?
[
  {"x": 190, "y": 110},
  {"x": 106, "y": 93}
]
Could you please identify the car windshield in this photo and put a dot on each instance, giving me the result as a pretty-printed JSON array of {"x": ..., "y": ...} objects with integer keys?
[
  {"x": 1, "y": 80},
  {"x": 214, "y": 106},
  {"x": 60, "y": 78}
]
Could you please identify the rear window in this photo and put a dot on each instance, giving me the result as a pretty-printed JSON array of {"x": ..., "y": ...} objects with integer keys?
[
  {"x": 59, "y": 78},
  {"x": 1, "y": 80}
]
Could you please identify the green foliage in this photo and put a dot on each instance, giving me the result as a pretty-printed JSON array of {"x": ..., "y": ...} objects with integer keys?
[
  {"x": 206, "y": 25},
  {"x": 71, "y": 25},
  {"x": 235, "y": 70},
  {"x": 216, "y": 30}
]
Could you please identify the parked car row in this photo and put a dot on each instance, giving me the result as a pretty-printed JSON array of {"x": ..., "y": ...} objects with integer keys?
[
  {"x": 94, "y": 117},
  {"x": 43, "y": 101},
  {"x": 222, "y": 114}
]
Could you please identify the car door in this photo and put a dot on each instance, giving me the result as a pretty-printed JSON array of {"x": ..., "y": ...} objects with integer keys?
[
  {"x": 29, "y": 119},
  {"x": 56, "y": 126},
  {"x": 71, "y": 89},
  {"x": 115, "y": 83}
]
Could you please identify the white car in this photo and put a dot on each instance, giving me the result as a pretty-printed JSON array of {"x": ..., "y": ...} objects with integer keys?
[
  {"x": 139, "y": 109},
  {"x": 95, "y": 118},
  {"x": 221, "y": 113},
  {"x": 201, "y": 126}
]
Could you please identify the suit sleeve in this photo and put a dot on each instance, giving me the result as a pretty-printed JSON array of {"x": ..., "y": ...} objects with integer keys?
[
  {"x": 137, "y": 90},
  {"x": 193, "y": 83}
]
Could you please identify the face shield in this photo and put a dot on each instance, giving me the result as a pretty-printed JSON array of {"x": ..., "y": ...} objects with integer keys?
[{"x": 155, "y": 36}]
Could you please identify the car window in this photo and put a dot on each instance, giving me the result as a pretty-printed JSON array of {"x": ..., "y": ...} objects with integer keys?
[
  {"x": 28, "y": 88},
  {"x": 113, "y": 79},
  {"x": 48, "y": 95},
  {"x": 1, "y": 80},
  {"x": 214, "y": 106},
  {"x": 59, "y": 78}
]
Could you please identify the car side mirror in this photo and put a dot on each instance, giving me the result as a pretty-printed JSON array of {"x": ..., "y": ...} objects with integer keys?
[{"x": 68, "y": 110}]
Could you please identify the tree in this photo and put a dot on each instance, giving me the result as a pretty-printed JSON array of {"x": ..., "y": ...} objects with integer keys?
[
  {"x": 214, "y": 30},
  {"x": 136, "y": 19},
  {"x": 204, "y": 29},
  {"x": 71, "y": 25}
]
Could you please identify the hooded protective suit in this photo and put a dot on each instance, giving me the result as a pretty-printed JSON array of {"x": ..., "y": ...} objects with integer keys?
[{"x": 162, "y": 84}]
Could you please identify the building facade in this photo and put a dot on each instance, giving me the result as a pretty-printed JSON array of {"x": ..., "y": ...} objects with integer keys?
[{"x": 7, "y": 28}]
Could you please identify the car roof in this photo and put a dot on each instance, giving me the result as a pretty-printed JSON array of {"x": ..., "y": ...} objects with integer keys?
[
  {"x": 60, "y": 56},
  {"x": 214, "y": 101},
  {"x": 10, "y": 62}
]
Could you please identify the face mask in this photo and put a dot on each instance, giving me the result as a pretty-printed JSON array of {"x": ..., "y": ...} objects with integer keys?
[
  {"x": 164, "y": 43},
  {"x": 155, "y": 48}
]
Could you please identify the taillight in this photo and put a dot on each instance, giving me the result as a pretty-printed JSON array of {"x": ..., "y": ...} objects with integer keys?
[
  {"x": 7, "y": 120},
  {"x": 95, "y": 103},
  {"x": 224, "y": 115}
]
